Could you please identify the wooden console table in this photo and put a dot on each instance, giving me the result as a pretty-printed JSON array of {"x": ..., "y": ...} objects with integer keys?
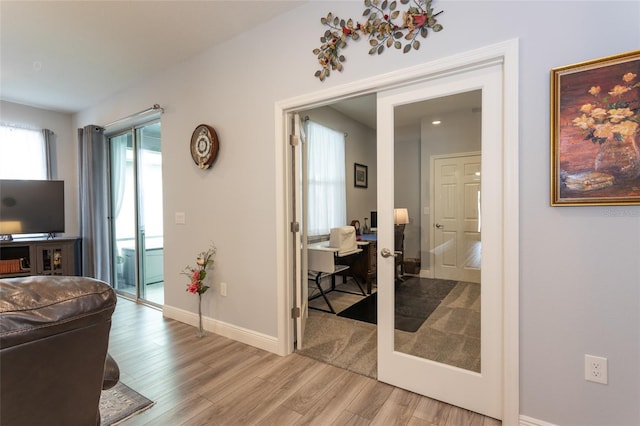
[{"x": 58, "y": 256}]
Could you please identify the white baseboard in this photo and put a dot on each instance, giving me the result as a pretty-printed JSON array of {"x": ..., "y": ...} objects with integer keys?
[
  {"x": 425, "y": 273},
  {"x": 528, "y": 421},
  {"x": 243, "y": 335}
]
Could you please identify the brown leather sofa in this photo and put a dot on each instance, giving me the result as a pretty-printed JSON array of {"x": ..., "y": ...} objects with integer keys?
[{"x": 54, "y": 335}]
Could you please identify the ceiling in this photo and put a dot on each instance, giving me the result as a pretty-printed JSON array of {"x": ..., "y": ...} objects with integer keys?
[{"x": 68, "y": 55}]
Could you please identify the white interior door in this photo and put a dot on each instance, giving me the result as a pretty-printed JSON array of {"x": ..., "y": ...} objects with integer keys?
[
  {"x": 477, "y": 391},
  {"x": 456, "y": 206}
]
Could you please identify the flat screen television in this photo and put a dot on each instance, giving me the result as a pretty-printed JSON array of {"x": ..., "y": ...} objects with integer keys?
[{"x": 31, "y": 206}]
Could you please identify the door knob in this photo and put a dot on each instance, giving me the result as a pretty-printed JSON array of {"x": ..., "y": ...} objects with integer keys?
[
  {"x": 385, "y": 252},
  {"x": 439, "y": 226}
]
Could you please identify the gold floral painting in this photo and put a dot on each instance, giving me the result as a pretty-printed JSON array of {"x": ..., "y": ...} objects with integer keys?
[{"x": 595, "y": 132}]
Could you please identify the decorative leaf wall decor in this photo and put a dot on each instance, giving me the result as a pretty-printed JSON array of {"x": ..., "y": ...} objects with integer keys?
[{"x": 383, "y": 26}]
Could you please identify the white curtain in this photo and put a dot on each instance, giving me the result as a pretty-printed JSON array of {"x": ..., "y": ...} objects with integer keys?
[
  {"x": 326, "y": 194},
  {"x": 24, "y": 153},
  {"x": 118, "y": 146}
]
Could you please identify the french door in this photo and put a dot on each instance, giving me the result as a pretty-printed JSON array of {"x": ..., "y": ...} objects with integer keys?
[
  {"x": 299, "y": 225},
  {"x": 476, "y": 389},
  {"x": 135, "y": 169}
]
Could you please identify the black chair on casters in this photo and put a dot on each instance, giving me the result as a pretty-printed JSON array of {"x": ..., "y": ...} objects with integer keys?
[{"x": 399, "y": 252}]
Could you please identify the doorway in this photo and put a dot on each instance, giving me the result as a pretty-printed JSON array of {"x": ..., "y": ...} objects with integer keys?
[
  {"x": 505, "y": 57},
  {"x": 135, "y": 176},
  {"x": 437, "y": 315},
  {"x": 329, "y": 336}
]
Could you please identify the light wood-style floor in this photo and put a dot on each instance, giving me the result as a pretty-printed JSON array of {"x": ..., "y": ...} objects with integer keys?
[{"x": 218, "y": 381}]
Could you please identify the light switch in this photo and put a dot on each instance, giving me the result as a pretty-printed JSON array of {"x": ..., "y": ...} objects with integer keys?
[
  {"x": 181, "y": 218},
  {"x": 426, "y": 210}
]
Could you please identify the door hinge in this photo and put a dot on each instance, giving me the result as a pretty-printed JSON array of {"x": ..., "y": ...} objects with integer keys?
[
  {"x": 293, "y": 140},
  {"x": 295, "y": 312},
  {"x": 295, "y": 227}
]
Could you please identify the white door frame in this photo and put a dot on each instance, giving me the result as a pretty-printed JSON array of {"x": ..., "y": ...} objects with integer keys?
[{"x": 504, "y": 52}]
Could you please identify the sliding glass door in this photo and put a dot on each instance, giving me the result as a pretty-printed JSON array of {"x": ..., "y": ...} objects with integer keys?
[{"x": 136, "y": 212}]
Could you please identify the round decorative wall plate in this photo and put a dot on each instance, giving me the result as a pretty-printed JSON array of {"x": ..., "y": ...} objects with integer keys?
[{"x": 204, "y": 146}]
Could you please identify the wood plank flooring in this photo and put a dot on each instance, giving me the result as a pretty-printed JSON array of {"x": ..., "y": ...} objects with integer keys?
[{"x": 218, "y": 381}]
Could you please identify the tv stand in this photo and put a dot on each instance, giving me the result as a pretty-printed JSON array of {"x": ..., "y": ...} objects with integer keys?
[{"x": 21, "y": 258}]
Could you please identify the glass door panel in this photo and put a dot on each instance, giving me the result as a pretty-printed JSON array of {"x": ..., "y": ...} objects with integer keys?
[
  {"x": 136, "y": 202},
  {"x": 123, "y": 206},
  {"x": 438, "y": 317},
  {"x": 150, "y": 214},
  {"x": 51, "y": 261}
]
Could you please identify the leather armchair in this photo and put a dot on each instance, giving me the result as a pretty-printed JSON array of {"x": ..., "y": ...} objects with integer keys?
[{"x": 54, "y": 335}]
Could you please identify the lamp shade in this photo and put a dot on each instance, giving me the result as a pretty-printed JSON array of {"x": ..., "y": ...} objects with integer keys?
[{"x": 400, "y": 216}]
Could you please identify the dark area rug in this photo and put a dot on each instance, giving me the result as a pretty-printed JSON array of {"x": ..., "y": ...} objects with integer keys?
[
  {"x": 121, "y": 403},
  {"x": 416, "y": 299}
]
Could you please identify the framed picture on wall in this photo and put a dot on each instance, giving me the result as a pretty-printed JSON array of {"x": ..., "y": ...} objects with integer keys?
[
  {"x": 595, "y": 132},
  {"x": 360, "y": 178}
]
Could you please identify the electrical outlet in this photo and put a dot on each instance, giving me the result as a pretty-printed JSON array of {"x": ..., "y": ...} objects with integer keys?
[
  {"x": 595, "y": 369},
  {"x": 223, "y": 289}
]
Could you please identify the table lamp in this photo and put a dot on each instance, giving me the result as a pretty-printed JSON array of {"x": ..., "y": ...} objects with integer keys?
[{"x": 400, "y": 216}]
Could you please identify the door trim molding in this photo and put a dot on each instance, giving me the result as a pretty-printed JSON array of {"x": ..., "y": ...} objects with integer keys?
[{"x": 505, "y": 53}]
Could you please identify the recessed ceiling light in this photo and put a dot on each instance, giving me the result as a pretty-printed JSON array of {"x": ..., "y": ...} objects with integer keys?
[{"x": 436, "y": 122}]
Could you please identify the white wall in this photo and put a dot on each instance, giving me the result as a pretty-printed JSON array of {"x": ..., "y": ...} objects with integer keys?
[
  {"x": 580, "y": 274},
  {"x": 63, "y": 151}
]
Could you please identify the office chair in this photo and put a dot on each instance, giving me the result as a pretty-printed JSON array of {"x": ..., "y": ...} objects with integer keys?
[
  {"x": 399, "y": 252},
  {"x": 400, "y": 219}
]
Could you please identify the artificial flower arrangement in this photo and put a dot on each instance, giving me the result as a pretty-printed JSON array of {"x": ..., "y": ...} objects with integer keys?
[
  {"x": 383, "y": 27},
  {"x": 197, "y": 275},
  {"x": 204, "y": 261}
]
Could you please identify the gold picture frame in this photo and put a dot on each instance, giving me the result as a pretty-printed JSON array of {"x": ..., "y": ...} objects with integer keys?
[{"x": 595, "y": 132}]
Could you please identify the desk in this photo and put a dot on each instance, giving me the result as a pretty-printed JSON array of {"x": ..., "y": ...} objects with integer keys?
[
  {"x": 367, "y": 269},
  {"x": 325, "y": 261}
]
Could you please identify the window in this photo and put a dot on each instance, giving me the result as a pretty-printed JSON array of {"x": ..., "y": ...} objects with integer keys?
[
  {"x": 326, "y": 185},
  {"x": 23, "y": 153}
]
